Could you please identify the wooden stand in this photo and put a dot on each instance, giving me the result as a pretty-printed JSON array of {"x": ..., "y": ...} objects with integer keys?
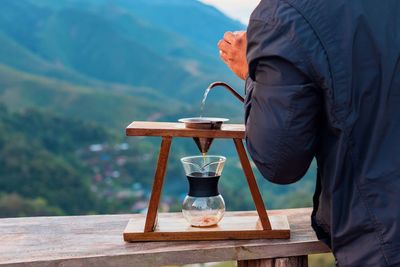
[{"x": 232, "y": 226}]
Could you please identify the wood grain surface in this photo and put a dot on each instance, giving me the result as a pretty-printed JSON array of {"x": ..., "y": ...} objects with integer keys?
[
  {"x": 145, "y": 128},
  {"x": 234, "y": 225},
  {"x": 97, "y": 241},
  {"x": 299, "y": 261},
  {"x": 251, "y": 181},
  {"x": 257, "y": 263},
  {"x": 158, "y": 182}
]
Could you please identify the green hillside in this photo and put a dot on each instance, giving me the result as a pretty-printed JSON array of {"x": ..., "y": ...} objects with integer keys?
[
  {"x": 74, "y": 73},
  {"x": 20, "y": 90},
  {"x": 37, "y": 164},
  {"x": 15, "y": 55},
  {"x": 116, "y": 42}
]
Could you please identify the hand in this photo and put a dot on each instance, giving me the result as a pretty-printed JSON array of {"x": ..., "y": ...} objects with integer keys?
[{"x": 232, "y": 49}]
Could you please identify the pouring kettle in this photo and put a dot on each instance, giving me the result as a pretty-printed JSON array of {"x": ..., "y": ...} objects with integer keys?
[{"x": 229, "y": 88}]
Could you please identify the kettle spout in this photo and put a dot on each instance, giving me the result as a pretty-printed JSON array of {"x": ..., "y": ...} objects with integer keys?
[{"x": 230, "y": 89}]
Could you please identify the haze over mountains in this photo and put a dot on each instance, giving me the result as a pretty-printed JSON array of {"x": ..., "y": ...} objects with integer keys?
[
  {"x": 118, "y": 55},
  {"x": 74, "y": 73}
]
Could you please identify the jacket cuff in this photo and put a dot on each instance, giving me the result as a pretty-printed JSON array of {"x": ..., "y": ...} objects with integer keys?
[{"x": 249, "y": 85}]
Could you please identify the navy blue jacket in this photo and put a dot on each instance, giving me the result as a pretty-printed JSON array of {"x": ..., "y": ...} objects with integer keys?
[{"x": 324, "y": 82}]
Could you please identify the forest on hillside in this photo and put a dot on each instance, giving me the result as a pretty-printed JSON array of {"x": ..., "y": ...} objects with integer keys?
[{"x": 74, "y": 74}]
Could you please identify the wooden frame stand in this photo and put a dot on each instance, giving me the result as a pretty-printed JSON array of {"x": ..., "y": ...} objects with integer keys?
[{"x": 172, "y": 226}]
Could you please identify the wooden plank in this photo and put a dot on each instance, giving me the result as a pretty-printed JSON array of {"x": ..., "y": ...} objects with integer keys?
[
  {"x": 157, "y": 184},
  {"x": 251, "y": 180},
  {"x": 96, "y": 240},
  {"x": 144, "y": 128},
  {"x": 234, "y": 225}
]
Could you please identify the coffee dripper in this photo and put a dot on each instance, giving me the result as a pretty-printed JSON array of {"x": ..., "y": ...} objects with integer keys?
[
  {"x": 208, "y": 123},
  {"x": 204, "y": 206},
  {"x": 235, "y": 225}
]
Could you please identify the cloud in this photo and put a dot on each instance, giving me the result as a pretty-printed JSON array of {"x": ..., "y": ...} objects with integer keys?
[{"x": 237, "y": 9}]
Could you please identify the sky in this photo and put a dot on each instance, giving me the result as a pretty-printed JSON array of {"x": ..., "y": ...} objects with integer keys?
[{"x": 237, "y": 9}]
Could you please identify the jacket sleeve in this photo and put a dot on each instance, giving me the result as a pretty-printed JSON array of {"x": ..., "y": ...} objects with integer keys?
[{"x": 282, "y": 104}]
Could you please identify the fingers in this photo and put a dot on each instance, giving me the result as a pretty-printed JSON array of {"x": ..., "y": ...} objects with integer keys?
[
  {"x": 224, "y": 46},
  {"x": 227, "y": 54},
  {"x": 232, "y": 50},
  {"x": 232, "y": 46},
  {"x": 241, "y": 38},
  {"x": 239, "y": 33},
  {"x": 229, "y": 37},
  {"x": 224, "y": 56}
]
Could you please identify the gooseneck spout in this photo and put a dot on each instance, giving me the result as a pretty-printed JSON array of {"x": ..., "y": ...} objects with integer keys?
[
  {"x": 204, "y": 143},
  {"x": 230, "y": 89}
]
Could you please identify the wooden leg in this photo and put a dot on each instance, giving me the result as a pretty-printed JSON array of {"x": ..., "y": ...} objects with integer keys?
[
  {"x": 157, "y": 184},
  {"x": 299, "y": 261},
  {"x": 256, "y": 263},
  {"x": 251, "y": 180}
]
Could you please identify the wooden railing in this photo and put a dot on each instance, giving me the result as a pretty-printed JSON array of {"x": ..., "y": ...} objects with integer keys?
[{"x": 97, "y": 241}]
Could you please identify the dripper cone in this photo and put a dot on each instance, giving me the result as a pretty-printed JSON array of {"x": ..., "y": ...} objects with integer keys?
[{"x": 203, "y": 143}]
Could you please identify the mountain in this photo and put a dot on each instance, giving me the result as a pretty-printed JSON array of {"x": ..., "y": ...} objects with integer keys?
[
  {"x": 166, "y": 45},
  {"x": 74, "y": 73},
  {"x": 109, "y": 107}
]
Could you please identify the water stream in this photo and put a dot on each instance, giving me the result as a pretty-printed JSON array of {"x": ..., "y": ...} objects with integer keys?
[{"x": 203, "y": 102}]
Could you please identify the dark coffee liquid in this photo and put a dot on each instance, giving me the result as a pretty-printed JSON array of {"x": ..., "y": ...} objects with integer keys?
[{"x": 203, "y": 184}]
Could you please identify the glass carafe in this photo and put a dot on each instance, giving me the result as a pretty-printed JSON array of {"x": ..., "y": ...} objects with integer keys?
[{"x": 203, "y": 206}]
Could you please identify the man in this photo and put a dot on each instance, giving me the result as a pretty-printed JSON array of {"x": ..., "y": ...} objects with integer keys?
[{"x": 323, "y": 80}]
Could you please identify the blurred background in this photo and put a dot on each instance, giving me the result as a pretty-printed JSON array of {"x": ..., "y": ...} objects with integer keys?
[{"x": 75, "y": 73}]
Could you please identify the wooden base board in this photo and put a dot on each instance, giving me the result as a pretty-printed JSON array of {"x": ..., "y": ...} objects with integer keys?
[{"x": 234, "y": 225}]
